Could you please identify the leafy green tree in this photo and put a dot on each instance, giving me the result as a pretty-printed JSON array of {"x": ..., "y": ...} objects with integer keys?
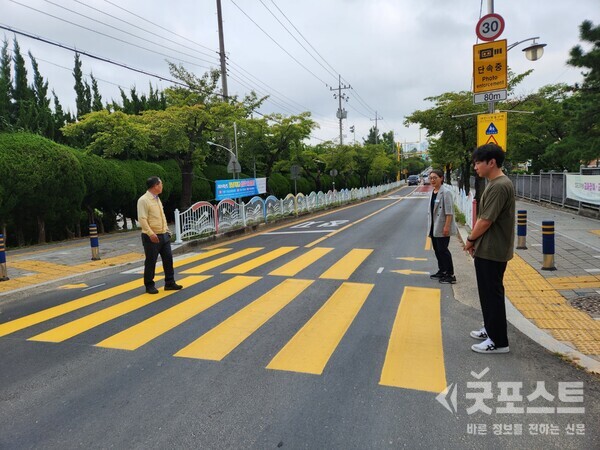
[
  {"x": 96, "y": 97},
  {"x": 373, "y": 137}
]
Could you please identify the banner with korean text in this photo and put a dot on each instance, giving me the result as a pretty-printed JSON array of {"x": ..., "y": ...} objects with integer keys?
[
  {"x": 584, "y": 188},
  {"x": 245, "y": 187}
]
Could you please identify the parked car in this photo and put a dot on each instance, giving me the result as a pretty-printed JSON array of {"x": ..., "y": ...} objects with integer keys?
[{"x": 413, "y": 180}]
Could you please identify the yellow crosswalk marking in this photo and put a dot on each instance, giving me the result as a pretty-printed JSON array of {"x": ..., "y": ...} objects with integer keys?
[
  {"x": 195, "y": 258},
  {"x": 310, "y": 349},
  {"x": 78, "y": 326},
  {"x": 142, "y": 333},
  {"x": 427, "y": 243},
  {"x": 301, "y": 262},
  {"x": 259, "y": 261},
  {"x": 55, "y": 311},
  {"x": 221, "y": 340},
  {"x": 415, "y": 356},
  {"x": 345, "y": 267},
  {"x": 220, "y": 261}
]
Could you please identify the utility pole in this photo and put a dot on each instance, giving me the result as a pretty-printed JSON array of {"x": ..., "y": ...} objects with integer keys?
[
  {"x": 222, "y": 51},
  {"x": 341, "y": 113},
  {"x": 376, "y": 129}
]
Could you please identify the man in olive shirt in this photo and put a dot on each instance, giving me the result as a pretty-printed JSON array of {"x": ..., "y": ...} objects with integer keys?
[
  {"x": 156, "y": 238},
  {"x": 491, "y": 243}
]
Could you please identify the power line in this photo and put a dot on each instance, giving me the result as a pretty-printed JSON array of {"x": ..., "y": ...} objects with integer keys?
[
  {"x": 156, "y": 25},
  {"x": 106, "y": 35},
  {"x": 334, "y": 75},
  {"x": 147, "y": 31},
  {"x": 277, "y": 43}
]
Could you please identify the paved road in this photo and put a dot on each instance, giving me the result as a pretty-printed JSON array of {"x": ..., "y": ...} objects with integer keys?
[{"x": 327, "y": 333}]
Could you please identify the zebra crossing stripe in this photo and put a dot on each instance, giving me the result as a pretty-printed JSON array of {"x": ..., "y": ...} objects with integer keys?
[
  {"x": 195, "y": 258},
  {"x": 78, "y": 326},
  {"x": 259, "y": 261},
  {"x": 301, "y": 262},
  {"x": 225, "y": 337},
  {"x": 220, "y": 261},
  {"x": 345, "y": 267},
  {"x": 134, "y": 337},
  {"x": 73, "y": 305},
  {"x": 310, "y": 349},
  {"x": 415, "y": 355}
]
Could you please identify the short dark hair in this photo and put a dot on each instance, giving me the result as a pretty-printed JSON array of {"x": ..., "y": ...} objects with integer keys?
[
  {"x": 488, "y": 152},
  {"x": 439, "y": 173},
  {"x": 152, "y": 181}
]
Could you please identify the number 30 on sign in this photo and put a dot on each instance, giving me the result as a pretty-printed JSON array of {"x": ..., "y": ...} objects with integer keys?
[{"x": 490, "y": 27}]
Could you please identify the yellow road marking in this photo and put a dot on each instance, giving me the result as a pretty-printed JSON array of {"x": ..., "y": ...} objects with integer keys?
[
  {"x": 345, "y": 267},
  {"x": 220, "y": 261},
  {"x": 221, "y": 340},
  {"x": 78, "y": 326},
  {"x": 412, "y": 258},
  {"x": 595, "y": 232},
  {"x": 415, "y": 356},
  {"x": 409, "y": 272},
  {"x": 55, "y": 311},
  {"x": 142, "y": 333},
  {"x": 73, "y": 286},
  {"x": 195, "y": 258},
  {"x": 310, "y": 349},
  {"x": 333, "y": 233},
  {"x": 427, "y": 243},
  {"x": 260, "y": 260},
  {"x": 301, "y": 262}
]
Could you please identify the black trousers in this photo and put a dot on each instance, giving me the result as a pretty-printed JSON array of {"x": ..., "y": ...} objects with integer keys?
[
  {"x": 152, "y": 250},
  {"x": 443, "y": 255},
  {"x": 490, "y": 276}
]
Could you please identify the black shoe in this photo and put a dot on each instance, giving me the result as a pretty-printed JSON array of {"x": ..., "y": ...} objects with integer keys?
[
  {"x": 173, "y": 287},
  {"x": 151, "y": 290},
  {"x": 448, "y": 279},
  {"x": 437, "y": 275}
]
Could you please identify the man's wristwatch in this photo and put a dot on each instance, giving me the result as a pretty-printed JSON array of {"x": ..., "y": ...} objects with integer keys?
[{"x": 470, "y": 240}]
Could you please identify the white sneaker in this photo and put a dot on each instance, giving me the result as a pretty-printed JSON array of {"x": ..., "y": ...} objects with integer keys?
[
  {"x": 479, "y": 334},
  {"x": 488, "y": 346}
]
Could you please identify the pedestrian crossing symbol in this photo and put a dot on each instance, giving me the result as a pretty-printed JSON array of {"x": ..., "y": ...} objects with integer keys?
[{"x": 491, "y": 129}]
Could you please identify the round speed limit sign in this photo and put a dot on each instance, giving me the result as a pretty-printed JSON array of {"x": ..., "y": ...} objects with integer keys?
[{"x": 490, "y": 27}]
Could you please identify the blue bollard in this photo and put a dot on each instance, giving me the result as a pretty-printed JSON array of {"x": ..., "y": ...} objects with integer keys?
[
  {"x": 3, "y": 272},
  {"x": 94, "y": 242},
  {"x": 521, "y": 229},
  {"x": 548, "y": 245}
]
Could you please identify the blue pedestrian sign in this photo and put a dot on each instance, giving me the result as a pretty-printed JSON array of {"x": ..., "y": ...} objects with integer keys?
[{"x": 491, "y": 129}]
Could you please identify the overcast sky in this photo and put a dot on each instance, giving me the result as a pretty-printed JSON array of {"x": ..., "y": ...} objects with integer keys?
[{"x": 394, "y": 53}]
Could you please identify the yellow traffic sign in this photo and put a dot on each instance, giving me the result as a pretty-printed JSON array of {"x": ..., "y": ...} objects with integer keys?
[
  {"x": 491, "y": 129},
  {"x": 489, "y": 66}
]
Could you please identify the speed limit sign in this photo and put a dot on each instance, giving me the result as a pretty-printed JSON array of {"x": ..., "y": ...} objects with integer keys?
[{"x": 490, "y": 27}]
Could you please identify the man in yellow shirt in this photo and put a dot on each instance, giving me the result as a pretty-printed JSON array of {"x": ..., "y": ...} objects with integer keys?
[{"x": 156, "y": 238}]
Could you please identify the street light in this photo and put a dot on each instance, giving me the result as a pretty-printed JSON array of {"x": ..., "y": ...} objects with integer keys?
[
  {"x": 533, "y": 52},
  {"x": 233, "y": 161}
]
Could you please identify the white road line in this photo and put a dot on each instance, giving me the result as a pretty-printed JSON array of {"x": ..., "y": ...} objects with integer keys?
[
  {"x": 301, "y": 232},
  {"x": 380, "y": 270},
  {"x": 92, "y": 287}
]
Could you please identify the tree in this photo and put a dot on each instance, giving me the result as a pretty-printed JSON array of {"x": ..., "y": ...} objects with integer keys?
[
  {"x": 22, "y": 94},
  {"x": 5, "y": 88},
  {"x": 83, "y": 99},
  {"x": 373, "y": 136},
  {"x": 43, "y": 122},
  {"x": 586, "y": 126},
  {"x": 96, "y": 97}
]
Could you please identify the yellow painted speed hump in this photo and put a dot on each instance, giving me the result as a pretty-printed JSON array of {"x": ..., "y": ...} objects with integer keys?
[{"x": 491, "y": 129}]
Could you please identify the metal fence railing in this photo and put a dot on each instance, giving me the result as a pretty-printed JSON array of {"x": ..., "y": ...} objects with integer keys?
[{"x": 204, "y": 219}]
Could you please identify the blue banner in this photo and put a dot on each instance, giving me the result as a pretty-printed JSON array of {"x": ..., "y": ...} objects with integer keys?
[{"x": 240, "y": 188}]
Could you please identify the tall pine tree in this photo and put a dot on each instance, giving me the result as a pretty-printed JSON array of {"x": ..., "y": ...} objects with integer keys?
[
  {"x": 83, "y": 99},
  {"x": 5, "y": 88},
  {"x": 23, "y": 96}
]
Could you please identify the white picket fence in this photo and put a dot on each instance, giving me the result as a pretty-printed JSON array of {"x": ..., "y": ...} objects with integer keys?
[
  {"x": 465, "y": 204},
  {"x": 204, "y": 219}
]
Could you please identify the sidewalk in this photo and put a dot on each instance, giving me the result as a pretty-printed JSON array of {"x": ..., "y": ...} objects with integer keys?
[{"x": 561, "y": 309}]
